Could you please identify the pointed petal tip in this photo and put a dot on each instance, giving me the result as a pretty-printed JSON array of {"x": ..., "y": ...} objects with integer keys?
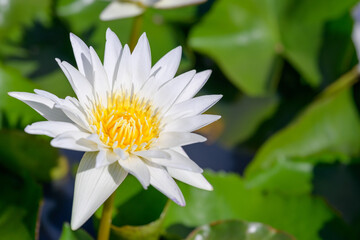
[
  {"x": 12, "y": 94},
  {"x": 143, "y": 35},
  {"x": 108, "y": 31},
  {"x": 180, "y": 202},
  {"x": 126, "y": 46},
  {"x": 216, "y": 117},
  {"x": 76, "y": 221},
  {"x": 92, "y": 51},
  {"x": 18, "y": 95},
  {"x": 27, "y": 129},
  {"x": 103, "y": 16},
  {"x": 53, "y": 142},
  {"x": 202, "y": 138},
  {"x": 178, "y": 49},
  {"x": 74, "y": 226},
  {"x": 58, "y": 61},
  {"x": 209, "y": 71},
  {"x": 144, "y": 184},
  {"x": 73, "y": 37}
]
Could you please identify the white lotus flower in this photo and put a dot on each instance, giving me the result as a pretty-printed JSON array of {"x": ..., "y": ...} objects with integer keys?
[
  {"x": 128, "y": 117},
  {"x": 130, "y": 8}
]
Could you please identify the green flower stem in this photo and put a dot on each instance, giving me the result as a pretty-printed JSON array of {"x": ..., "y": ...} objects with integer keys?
[
  {"x": 345, "y": 81},
  {"x": 135, "y": 32},
  {"x": 106, "y": 217}
]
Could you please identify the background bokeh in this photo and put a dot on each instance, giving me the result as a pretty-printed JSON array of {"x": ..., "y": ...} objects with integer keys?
[{"x": 285, "y": 154}]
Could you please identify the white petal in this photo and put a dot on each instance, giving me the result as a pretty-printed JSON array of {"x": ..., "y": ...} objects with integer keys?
[
  {"x": 82, "y": 56},
  {"x": 194, "y": 179},
  {"x": 166, "y": 68},
  {"x": 178, "y": 160},
  {"x": 191, "y": 178},
  {"x": 43, "y": 105},
  {"x": 73, "y": 111},
  {"x": 124, "y": 74},
  {"x": 117, "y": 10},
  {"x": 71, "y": 140},
  {"x": 194, "y": 86},
  {"x": 153, "y": 154},
  {"x": 78, "y": 82},
  {"x": 93, "y": 139},
  {"x": 138, "y": 168},
  {"x": 112, "y": 55},
  {"x": 170, "y": 91},
  {"x": 51, "y": 128},
  {"x": 149, "y": 88},
  {"x": 48, "y": 95},
  {"x": 141, "y": 62},
  {"x": 105, "y": 157},
  {"x": 92, "y": 187},
  {"x": 101, "y": 82},
  {"x": 190, "y": 124},
  {"x": 163, "y": 4},
  {"x": 161, "y": 180},
  {"x": 121, "y": 153},
  {"x": 175, "y": 139},
  {"x": 193, "y": 106}
]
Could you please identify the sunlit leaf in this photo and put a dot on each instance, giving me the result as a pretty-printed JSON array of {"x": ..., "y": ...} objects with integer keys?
[
  {"x": 247, "y": 38},
  {"x": 327, "y": 131},
  {"x": 237, "y": 229}
]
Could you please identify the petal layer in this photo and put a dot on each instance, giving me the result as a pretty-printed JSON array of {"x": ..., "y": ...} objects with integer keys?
[
  {"x": 161, "y": 180},
  {"x": 43, "y": 105},
  {"x": 138, "y": 168},
  {"x": 176, "y": 139},
  {"x": 51, "y": 128}
]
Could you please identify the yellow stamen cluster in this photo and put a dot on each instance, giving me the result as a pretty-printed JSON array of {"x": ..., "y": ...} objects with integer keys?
[{"x": 126, "y": 122}]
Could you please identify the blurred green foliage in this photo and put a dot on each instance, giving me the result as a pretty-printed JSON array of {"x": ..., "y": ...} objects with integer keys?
[
  {"x": 19, "y": 204},
  {"x": 288, "y": 102}
]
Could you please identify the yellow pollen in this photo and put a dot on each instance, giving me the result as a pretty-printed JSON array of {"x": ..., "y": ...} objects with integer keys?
[{"x": 127, "y": 122}]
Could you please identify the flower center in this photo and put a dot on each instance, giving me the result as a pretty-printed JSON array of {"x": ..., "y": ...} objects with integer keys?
[{"x": 127, "y": 122}]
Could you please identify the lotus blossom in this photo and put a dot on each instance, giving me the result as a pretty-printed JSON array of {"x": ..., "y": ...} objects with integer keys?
[
  {"x": 130, "y": 8},
  {"x": 128, "y": 117}
]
